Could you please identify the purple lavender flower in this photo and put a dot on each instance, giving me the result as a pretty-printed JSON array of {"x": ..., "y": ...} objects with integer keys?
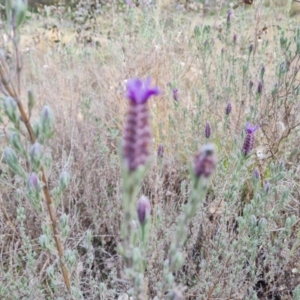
[
  {"x": 205, "y": 161},
  {"x": 139, "y": 92},
  {"x": 234, "y": 38},
  {"x": 259, "y": 87},
  {"x": 32, "y": 181},
  {"x": 251, "y": 84},
  {"x": 228, "y": 108},
  {"x": 137, "y": 132},
  {"x": 229, "y": 16},
  {"x": 249, "y": 139},
  {"x": 207, "y": 130},
  {"x": 143, "y": 209},
  {"x": 160, "y": 151},
  {"x": 250, "y": 48},
  {"x": 256, "y": 174},
  {"x": 267, "y": 186},
  {"x": 175, "y": 95}
]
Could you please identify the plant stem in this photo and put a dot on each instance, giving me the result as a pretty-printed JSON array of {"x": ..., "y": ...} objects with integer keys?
[{"x": 11, "y": 91}]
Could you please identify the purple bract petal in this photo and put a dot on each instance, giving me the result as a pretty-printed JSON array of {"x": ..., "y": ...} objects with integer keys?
[
  {"x": 139, "y": 92},
  {"x": 250, "y": 129}
]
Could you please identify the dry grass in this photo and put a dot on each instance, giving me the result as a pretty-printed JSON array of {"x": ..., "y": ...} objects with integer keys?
[{"x": 84, "y": 85}]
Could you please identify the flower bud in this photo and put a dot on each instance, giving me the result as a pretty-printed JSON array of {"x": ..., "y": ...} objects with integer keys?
[
  {"x": 19, "y": 11},
  {"x": 70, "y": 257},
  {"x": 253, "y": 221},
  {"x": 63, "y": 221},
  {"x": 31, "y": 101},
  {"x": 177, "y": 260},
  {"x": 256, "y": 174},
  {"x": 12, "y": 160},
  {"x": 45, "y": 242},
  {"x": 11, "y": 110},
  {"x": 63, "y": 225},
  {"x": 32, "y": 183},
  {"x": 36, "y": 127},
  {"x": 143, "y": 209},
  {"x": 288, "y": 223},
  {"x": 267, "y": 186},
  {"x": 262, "y": 224},
  {"x": 36, "y": 154},
  {"x": 15, "y": 141},
  {"x": 64, "y": 180},
  {"x": 50, "y": 272},
  {"x": 34, "y": 191},
  {"x": 47, "y": 120}
]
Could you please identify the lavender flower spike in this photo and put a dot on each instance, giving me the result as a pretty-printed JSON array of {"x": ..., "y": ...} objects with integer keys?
[
  {"x": 175, "y": 95},
  {"x": 234, "y": 38},
  {"x": 259, "y": 87},
  {"x": 249, "y": 139},
  {"x": 137, "y": 132},
  {"x": 250, "y": 48},
  {"x": 205, "y": 161},
  {"x": 207, "y": 130},
  {"x": 256, "y": 174},
  {"x": 143, "y": 209},
  {"x": 32, "y": 182},
  {"x": 267, "y": 186},
  {"x": 228, "y": 108},
  {"x": 229, "y": 13}
]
